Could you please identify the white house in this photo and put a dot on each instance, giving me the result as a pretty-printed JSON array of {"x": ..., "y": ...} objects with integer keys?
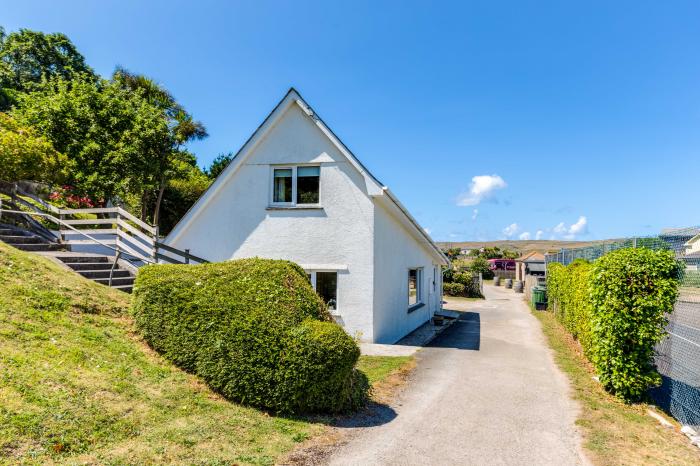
[{"x": 294, "y": 191}]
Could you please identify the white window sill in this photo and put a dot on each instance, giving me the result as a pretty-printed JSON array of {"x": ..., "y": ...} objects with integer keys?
[
  {"x": 294, "y": 207},
  {"x": 415, "y": 307}
]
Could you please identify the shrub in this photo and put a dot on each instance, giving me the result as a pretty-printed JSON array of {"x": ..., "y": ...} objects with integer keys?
[
  {"x": 254, "y": 330},
  {"x": 568, "y": 290},
  {"x": 616, "y": 307},
  {"x": 453, "y": 289},
  {"x": 632, "y": 290},
  {"x": 481, "y": 265}
]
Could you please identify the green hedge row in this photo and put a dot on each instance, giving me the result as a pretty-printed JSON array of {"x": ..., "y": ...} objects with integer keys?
[
  {"x": 254, "y": 330},
  {"x": 617, "y": 307},
  {"x": 460, "y": 284}
]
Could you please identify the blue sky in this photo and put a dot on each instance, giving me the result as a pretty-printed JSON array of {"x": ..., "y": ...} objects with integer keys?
[{"x": 579, "y": 119}]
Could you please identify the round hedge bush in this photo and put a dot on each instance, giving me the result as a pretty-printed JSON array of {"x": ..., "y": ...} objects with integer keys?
[{"x": 254, "y": 330}]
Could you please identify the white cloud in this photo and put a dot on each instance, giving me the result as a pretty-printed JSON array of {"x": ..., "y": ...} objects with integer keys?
[
  {"x": 524, "y": 235},
  {"x": 427, "y": 230},
  {"x": 539, "y": 234},
  {"x": 511, "y": 229},
  {"x": 482, "y": 187},
  {"x": 475, "y": 214},
  {"x": 572, "y": 231},
  {"x": 580, "y": 227}
]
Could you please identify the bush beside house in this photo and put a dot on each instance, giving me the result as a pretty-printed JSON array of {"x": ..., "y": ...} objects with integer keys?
[
  {"x": 254, "y": 330},
  {"x": 616, "y": 307}
]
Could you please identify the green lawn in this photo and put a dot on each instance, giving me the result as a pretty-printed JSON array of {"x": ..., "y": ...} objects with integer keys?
[
  {"x": 378, "y": 368},
  {"x": 614, "y": 433},
  {"x": 77, "y": 385}
]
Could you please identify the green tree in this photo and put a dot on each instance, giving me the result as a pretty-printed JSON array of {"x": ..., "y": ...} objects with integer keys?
[
  {"x": 27, "y": 57},
  {"x": 112, "y": 135},
  {"x": 452, "y": 253},
  {"x": 180, "y": 194},
  {"x": 219, "y": 164},
  {"x": 24, "y": 155},
  {"x": 165, "y": 157},
  {"x": 481, "y": 265}
]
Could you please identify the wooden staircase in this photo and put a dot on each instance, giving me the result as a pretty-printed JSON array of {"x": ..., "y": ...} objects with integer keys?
[
  {"x": 26, "y": 240},
  {"x": 95, "y": 267},
  {"x": 99, "y": 268},
  {"x": 127, "y": 242}
]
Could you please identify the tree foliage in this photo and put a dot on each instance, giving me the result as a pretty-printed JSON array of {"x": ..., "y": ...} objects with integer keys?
[
  {"x": 27, "y": 57},
  {"x": 25, "y": 155},
  {"x": 219, "y": 164},
  {"x": 111, "y": 135},
  {"x": 166, "y": 157}
]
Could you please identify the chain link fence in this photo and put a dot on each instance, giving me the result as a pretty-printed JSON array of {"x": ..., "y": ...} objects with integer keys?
[{"x": 678, "y": 355}]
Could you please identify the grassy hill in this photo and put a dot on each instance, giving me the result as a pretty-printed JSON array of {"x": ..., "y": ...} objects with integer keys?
[
  {"x": 77, "y": 385},
  {"x": 523, "y": 245}
]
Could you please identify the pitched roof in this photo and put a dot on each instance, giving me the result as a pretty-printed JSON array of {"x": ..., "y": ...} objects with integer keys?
[
  {"x": 532, "y": 256},
  {"x": 374, "y": 187}
]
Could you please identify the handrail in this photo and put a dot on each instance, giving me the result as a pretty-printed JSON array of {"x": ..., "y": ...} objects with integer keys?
[{"x": 62, "y": 222}]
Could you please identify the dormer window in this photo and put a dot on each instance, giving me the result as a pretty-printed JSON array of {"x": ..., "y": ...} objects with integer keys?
[{"x": 296, "y": 185}]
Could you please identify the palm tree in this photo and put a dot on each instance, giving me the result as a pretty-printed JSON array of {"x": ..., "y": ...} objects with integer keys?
[{"x": 183, "y": 129}]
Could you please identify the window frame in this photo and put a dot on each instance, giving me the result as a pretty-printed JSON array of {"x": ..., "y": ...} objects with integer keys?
[
  {"x": 420, "y": 298},
  {"x": 293, "y": 203},
  {"x": 313, "y": 273}
]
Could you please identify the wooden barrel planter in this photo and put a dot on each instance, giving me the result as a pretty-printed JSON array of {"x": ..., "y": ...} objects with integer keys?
[
  {"x": 509, "y": 283},
  {"x": 518, "y": 286},
  {"x": 496, "y": 281}
]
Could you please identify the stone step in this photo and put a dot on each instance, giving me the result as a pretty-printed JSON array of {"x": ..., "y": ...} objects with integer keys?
[
  {"x": 82, "y": 259},
  {"x": 77, "y": 266},
  {"x": 95, "y": 274},
  {"x": 21, "y": 239},
  {"x": 116, "y": 281}
]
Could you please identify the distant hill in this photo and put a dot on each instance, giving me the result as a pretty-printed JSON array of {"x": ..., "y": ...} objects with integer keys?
[{"x": 522, "y": 246}]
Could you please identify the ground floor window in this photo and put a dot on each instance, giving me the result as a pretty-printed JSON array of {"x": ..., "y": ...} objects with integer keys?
[
  {"x": 415, "y": 292},
  {"x": 326, "y": 285}
]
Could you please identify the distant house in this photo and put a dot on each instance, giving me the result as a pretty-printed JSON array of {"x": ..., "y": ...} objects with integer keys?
[
  {"x": 678, "y": 237},
  {"x": 531, "y": 263},
  {"x": 692, "y": 246},
  {"x": 294, "y": 191}
]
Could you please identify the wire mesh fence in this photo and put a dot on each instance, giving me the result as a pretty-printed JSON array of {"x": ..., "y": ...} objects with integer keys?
[{"x": 678, "y": 355}]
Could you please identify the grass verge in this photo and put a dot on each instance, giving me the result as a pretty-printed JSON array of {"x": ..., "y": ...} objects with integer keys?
[
  {"x": 614, "y": 433},
  {"x": 78, "y": 386}
]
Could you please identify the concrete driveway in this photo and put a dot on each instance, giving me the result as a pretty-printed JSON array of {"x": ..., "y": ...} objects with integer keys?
[{"x": 485, "y": 392}]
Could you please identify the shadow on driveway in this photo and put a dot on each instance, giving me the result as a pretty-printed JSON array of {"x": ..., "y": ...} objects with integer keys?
[{"x": 464, "y": 334}]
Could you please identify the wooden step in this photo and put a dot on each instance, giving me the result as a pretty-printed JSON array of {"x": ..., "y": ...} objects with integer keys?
[
  {"x": 36, "y": 247},
  {"x": 116, "y": 281},
  {"x": 22, "y": 239},
  {"x": 77, "y": 266},
  {"x": 82, "y": 259},
  {"x": 95, "y": 274}
]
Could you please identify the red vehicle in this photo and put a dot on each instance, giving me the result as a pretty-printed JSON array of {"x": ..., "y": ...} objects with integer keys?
[{"x": 501, "y": 264}]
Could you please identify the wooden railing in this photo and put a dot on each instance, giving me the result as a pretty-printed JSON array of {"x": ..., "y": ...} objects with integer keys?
[{"x": 127, "y": 235}]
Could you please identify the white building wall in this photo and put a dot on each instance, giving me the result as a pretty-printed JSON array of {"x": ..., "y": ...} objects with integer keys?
[
  {"x": 395, "y": 252},
  {"x": 237, "y": 222}
]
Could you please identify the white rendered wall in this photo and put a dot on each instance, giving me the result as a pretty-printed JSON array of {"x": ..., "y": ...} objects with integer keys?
[
  {"x": 395, "y": 252},
  {"x": 237, "y": 223}
]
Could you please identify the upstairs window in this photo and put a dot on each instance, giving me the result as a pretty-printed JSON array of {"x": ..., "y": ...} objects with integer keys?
[{"x": 298, "y": 185}]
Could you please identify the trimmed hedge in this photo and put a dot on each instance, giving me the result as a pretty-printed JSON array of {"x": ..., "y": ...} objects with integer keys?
[
  {"x": 568, "y": 291},
  {"x": 632, "y": 292},
  {"x": 461, "y": 284},
  {"x": 254, "y": 330},
  {"x": 616, "y": 307}
]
